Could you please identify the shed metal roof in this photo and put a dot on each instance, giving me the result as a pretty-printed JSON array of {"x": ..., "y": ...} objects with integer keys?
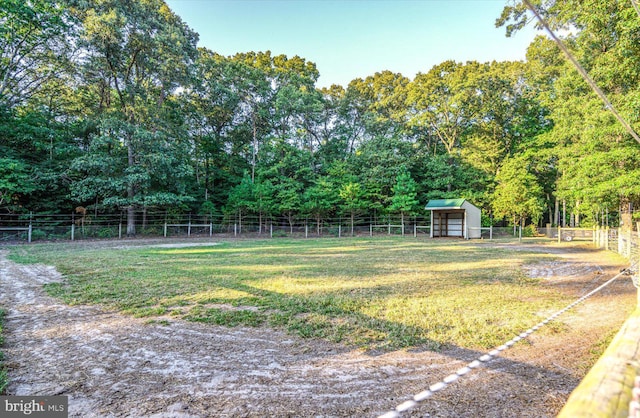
[{"x": 445, "y": 204}]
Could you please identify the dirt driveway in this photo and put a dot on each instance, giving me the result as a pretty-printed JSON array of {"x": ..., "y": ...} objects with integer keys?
[{"x": 110, "y": 365}]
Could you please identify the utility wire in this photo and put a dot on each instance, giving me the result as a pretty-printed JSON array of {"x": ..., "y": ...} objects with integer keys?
[
  {"x": 491, "y": 355},
  {"x": 583, "y": 72}
]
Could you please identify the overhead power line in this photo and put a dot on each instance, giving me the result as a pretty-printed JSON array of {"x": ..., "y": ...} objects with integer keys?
[{"x": 583, "y": 72}]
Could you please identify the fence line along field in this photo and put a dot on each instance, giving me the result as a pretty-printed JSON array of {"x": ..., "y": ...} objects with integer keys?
[{"x": 378, "y": 299}]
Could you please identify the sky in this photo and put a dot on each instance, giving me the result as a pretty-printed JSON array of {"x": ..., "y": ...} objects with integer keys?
[{"x": 349, "y": 39}]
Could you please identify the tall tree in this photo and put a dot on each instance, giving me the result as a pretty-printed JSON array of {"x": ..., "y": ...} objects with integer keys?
[
  {"x": 137, "y": 54},
  {"x": 604, "y": 36},
  {"x": 518, "y": 196},
  {"x": 35, "y": 44},
  {"x": 404, "y": 194}
]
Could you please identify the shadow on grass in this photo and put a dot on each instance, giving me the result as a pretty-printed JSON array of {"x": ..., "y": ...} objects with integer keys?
[{"x": 298, "y": 318}]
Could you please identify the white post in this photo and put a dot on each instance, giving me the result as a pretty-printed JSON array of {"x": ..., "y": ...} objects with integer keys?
[
  {"x": 165, "y": 229},
  {"x": 465, "y": 226},
  {"x": 415, "y": 230},
  {"x": 519, "y": 232},
  {"x": 431, "y": 226},
  {"x": 120, "y": 230},
  {"x": 210, "y": 228},
  {"x": 235, "y": 230},
  {"x": 30, "y": 230},
  {"x": 339, "y": 230},
  {"x": 620, "y": 243},
  {"x": 370, "y": 230},
  {"x": 189, "y": 228},
  {"x": 490, "y": 232}
]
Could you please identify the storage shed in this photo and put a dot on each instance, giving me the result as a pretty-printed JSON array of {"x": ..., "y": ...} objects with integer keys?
[{"x": 454, "y": 218}]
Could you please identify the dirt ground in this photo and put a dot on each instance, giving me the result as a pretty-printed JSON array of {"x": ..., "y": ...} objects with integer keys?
[{"x": 110, "y": 365}]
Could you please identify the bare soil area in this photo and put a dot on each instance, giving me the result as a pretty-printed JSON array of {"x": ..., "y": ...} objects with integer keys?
[{"x": 111, "y": 365}]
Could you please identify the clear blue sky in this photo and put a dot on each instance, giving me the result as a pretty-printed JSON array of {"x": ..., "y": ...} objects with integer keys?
[{"x": 348, "y": 39}]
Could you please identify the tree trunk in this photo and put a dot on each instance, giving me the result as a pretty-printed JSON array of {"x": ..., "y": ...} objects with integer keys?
[
  {"x": 131, "y": 221},
  {"x": 626, "y": 218},
  {"x": 131, "y": 194},
  {"x": 352, "y": 221}
]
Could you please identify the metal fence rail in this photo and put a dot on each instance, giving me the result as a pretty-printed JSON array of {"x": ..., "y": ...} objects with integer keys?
[{"x": 163, "y": 224}]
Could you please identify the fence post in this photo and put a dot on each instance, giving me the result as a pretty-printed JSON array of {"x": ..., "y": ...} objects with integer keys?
[
  {"x": 73, "y": 227},
  {"x": 620, "y": 244},
  {"x": 271, "y": 230},
  {"x": 415, "y": 230},
  {"x": 235, "y": 230},
  {"x": 165, "y": 229},
  {"x": 189, "y": 227},
  {"x": 389, "y": 231},
  {"x": 370, "y": 230},
  {"x": 559, "y": 234},
  {"x": 30, "y": 230},
  {"x": 403, "y": 229},
  {"x": 520, "y": 233},
  {"x": 490, "y": 232},
  {"x": 210, "y": 229},
  {"x": 339, "y": 230},
  {"x": 120, "y": 230}
]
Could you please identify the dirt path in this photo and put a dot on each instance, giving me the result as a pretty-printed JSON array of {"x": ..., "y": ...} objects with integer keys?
[{"x": 112, "y": 365}]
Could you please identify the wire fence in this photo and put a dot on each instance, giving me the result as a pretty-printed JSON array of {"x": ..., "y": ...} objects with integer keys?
[
  {"x": 78, "y": 227},
  {"x": 51, "y": 227}
]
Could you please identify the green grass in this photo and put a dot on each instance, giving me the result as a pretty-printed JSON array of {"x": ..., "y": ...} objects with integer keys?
[{"x": 369, "y": 293}]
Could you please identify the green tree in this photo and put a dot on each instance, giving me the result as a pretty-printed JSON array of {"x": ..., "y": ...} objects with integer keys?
[
  {"x": 518, "y": 196},
  {"x": 404, "y": 194},
  {"x": 242, "y": 199},
  {"x": 288, "y": 197},
  {"x": 15, "y": 180},
  {"x": 320, "y": 200},
  {"x": 605, "y": 39},
  {"x": 353, "y": 202},
  {"x": 137, "y": 54},
  {"x": 35, "y": 46}
]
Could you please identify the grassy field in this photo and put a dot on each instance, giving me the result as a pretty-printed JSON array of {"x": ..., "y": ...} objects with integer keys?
[{"x": 371, "y": 293}]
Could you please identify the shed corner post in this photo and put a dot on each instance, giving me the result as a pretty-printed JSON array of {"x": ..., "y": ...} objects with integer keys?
[
  {"x": 431, "y": 225},
  {"x": 465, "y": 227}
]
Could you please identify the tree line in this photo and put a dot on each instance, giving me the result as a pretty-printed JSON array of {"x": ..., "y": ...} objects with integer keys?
[{"x": 111, "y": 105}]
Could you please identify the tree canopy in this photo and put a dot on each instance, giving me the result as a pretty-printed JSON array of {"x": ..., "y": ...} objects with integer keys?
[{"x": 110, "y": 105}]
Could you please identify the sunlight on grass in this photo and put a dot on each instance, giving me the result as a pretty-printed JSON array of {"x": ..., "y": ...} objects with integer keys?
[{"x": 373, "y": 293}]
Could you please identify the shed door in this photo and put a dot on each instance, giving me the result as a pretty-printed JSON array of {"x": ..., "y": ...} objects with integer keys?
[{"x": 455, "y": 224}]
